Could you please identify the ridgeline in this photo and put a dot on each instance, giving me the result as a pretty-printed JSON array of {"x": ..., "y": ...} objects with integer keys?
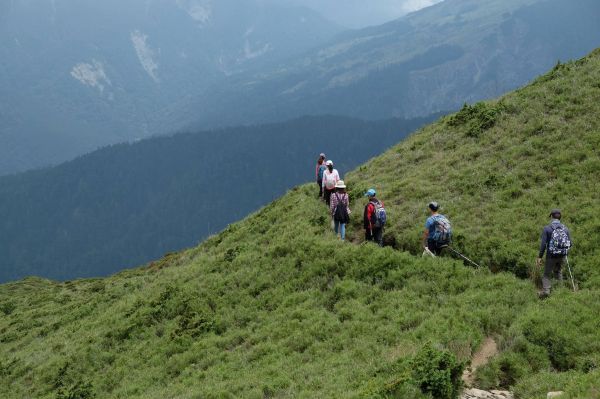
[{"x": 275, "y": 307}]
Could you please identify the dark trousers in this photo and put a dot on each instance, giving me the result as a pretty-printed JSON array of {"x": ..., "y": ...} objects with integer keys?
[
  {"x": 435, "y": 247},
  {"x": 327, "y": 194},
  {"x": 320, "y": 184},
  {"x": 375, "y": 235},
  {"x": 553, "y": 267}
]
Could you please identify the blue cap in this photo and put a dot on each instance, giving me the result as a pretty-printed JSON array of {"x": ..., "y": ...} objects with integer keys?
[{"x": 370, "y": 193}]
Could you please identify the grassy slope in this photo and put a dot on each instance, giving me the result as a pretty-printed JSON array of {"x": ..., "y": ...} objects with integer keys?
[{"x": 274, "y": 306}]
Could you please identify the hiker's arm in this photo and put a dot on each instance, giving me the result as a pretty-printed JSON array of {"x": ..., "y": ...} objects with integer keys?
[
  {"x": 425, "y": 235},
  {"x": 543, "y": 244},
  {"x": 368, "y": 223}
]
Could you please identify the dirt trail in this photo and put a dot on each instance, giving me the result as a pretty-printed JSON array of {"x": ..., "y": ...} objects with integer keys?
[{"x": 487, "y": 350}]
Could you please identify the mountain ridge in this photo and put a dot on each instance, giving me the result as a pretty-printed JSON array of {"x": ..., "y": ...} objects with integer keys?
[
  {"x": 429, "y": 61},
  {"x": 130, "y": 203}
]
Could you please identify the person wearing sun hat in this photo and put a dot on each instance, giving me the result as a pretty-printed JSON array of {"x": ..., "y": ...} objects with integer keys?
[
  {"x": 330, "y": 178},
  {"x": 340, "y": 209},
  {"x": 374, "y": 218}
]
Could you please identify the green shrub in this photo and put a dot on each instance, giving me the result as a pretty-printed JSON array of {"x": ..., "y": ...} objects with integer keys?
[
  {"x": 67, "y": 386},
  {"x": 437, "y": 373},
  {"x": 476, "y": 118}
]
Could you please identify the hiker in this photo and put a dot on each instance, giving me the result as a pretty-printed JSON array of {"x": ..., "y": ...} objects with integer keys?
[
  {"x": 340, "y": 209},
  {"x": 555, "y": 242},
  {"x": 437, "y": 234},
  {"x": 319, "y": 173},
  {"x": 374, "y": 218},
  {"x": 330, "y": 178}
]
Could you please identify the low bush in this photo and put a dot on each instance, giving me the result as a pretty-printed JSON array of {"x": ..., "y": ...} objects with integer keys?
[{"x": 437, "y": 372}]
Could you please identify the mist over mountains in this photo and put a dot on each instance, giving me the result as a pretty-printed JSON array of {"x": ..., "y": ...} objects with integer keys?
[
  {"x": 356, "y": 14},
  {"x": 430, "y": 61},
  {"x": 76, "y": 75}
]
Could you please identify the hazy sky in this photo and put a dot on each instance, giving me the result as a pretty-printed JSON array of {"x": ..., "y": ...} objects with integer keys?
[{"x": 360, "y": 13}]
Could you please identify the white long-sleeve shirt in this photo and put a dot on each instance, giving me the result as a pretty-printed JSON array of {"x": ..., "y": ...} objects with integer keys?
[{"x": 330, "y": 178}]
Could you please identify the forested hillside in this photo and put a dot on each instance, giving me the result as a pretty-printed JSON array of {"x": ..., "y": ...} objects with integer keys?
[
  {"x": 130, "y": 203},
  {"x": 275, "y": 306}
]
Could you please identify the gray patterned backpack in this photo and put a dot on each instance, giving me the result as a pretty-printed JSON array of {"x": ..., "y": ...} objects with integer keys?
[{"x": 559, "y": 241}]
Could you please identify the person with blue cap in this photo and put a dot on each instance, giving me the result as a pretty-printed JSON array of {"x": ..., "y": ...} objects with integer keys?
[{"x": 374, "y": 218}]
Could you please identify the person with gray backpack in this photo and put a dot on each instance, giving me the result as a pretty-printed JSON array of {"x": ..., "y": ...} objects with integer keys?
[
  {"x": 438, "y": 231},
  {"x": 555, "y": 242}
]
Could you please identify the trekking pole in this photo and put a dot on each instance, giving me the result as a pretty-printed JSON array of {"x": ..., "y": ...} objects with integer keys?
[
  {"x": 462, "y": 256},
  {"x": 427, "y": 252},
  {"x": 571, "y": 274}
]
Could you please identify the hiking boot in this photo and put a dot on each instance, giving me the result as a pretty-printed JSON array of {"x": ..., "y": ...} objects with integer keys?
[{"x": 543, "y": 295}]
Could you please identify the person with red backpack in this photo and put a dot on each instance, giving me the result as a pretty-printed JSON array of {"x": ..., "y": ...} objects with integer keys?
[
  {"x": 555, "y": 242},
  {"x": 330, "y": 178},
  {"x": 319, "y": 170},
  {"x": 374, "y": 218}
]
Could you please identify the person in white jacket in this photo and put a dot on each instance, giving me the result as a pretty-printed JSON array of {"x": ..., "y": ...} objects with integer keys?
[{"x": 330, "y": 178}]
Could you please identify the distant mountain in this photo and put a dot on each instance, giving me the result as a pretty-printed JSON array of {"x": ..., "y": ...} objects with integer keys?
[
  {"x": 129, "y": 203},
  {"x": 432, "y": 60},
  {"x": 78, "y": 74}
]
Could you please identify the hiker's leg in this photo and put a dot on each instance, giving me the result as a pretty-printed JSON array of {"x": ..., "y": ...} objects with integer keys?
[
  {"x": 558, "y": 263},
  {"x": 432, "y": 246},
  {"x": 343, "y": 231},
  {"x": 378, "y": 233},
  {"x": 320, "y": 183},
  {"x": 368, "y": 235},
  {"x": 548, "y": 269},
  {"x": 327, "y": 196},
  {"x": 336, "y": 226}
]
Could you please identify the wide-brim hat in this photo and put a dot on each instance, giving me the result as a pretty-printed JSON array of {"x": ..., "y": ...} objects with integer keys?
[
  {"x": 340, "y": 184},
  {"x": 330, "y": 162}
]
